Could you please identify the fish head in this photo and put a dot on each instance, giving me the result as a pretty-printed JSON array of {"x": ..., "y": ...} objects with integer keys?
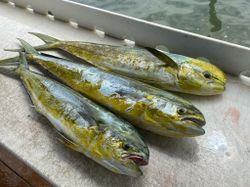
[
  {"x": 199, "y": 77},
  {"x": 175, "y": 117},
  {"x": 126, "y": 152},
  {"x": 188, "y": 120}
]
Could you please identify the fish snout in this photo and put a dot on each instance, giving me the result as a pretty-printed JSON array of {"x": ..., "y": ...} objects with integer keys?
[
  {"x": 139, "y": 159},
  {"x": 200, "y": 122}
]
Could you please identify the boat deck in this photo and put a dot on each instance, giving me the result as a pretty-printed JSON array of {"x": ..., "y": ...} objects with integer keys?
[
  {"x": 15, "y": 172},
  {"x": 219, "y": 158}
]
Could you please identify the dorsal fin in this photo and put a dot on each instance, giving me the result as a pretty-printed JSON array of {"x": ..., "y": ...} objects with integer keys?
[{"x": 163, "y": 57}]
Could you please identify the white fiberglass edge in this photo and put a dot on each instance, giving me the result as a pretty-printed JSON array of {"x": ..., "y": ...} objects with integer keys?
[{"x": 230, "y": 57}]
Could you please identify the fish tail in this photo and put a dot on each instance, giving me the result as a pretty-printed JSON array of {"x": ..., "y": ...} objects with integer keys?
[
  {"x": 9, "y": 66},
  {"x": 39, "y": 47},
  {"x": 8, "y": 70},
  {"x": 50, "y": 42},
  {"x": 46, "y": 38},
  {"x": 27, "y": 47},
  {"x": 9, "y": 61},
  {"x": 16, "y": 70},
  {"x": 15, "y": 60},
  {"x": 14, "y": 50},
  {"x": 23, "y": 62}
]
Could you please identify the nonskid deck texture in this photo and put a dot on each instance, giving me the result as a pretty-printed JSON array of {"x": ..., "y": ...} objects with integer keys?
[{"x": 219, "y": 158}]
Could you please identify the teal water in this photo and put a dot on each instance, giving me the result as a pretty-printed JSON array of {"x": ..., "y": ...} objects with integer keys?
[{"x": 227, "y": 20}]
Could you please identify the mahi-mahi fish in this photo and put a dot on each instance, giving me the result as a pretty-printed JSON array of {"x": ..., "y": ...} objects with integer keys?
[
  {"x": 164, "y": 70},
  {"x": 142, "y": 105},
  {"x": 83, "y": 125}
]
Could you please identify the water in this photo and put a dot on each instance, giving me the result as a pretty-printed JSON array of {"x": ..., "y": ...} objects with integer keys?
[{"x": 228, "y": 20}]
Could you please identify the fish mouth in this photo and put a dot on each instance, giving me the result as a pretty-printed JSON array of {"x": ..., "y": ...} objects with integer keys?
[
  {"x": 219, "y": 86},
  {"x": 199, "y": 122},
  {"x": 215, "y": 87},
  {"x": 193, "y": 126},
  {"x": 137, "y": 159}
]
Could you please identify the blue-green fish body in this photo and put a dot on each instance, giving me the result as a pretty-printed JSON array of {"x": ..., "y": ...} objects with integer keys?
[
  {"x": 86, "y": 127},
  {"x": 142, "y": 105},
  {"x": 163, "y": 70}
]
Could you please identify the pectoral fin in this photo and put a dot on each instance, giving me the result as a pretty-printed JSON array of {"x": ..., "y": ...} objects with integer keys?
[
  {"x": 103, "y": 68},
  {"x": 67, "y": 142},
  {"x": 163, "y": 57}
]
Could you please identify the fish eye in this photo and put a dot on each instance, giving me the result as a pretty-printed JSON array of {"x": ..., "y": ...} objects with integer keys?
[
  {"x": 181, "y": 111},
  {"x": 126, "y": 147},
  {"x": 207, "y": 75}
]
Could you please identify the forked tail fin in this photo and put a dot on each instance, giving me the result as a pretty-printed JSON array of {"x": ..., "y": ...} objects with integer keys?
[
  {"x": 23, "y": 62},
  {"x": 27, "y": 47},
  {"x": 46, "y": 38},
  {"x": 9, "y": 69},
  {"x": 49, "y": 42},
  {"x": 15, "y": 60},
  {"x": 9, "y": 61}
]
